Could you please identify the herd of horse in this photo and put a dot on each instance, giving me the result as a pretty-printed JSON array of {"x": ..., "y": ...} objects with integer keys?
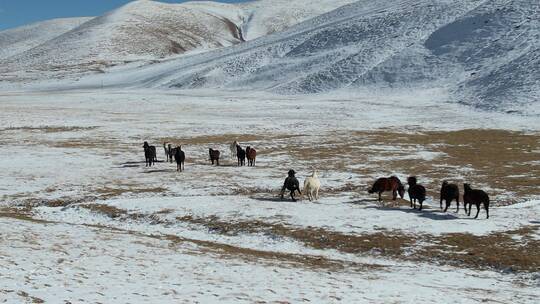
[
  {"x": 417, "y": 193},
  {"x": 448, "y": 193}
]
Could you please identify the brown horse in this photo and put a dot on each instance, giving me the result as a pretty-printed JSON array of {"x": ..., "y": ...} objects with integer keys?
[
  {"x": 214, "y": 156},
  {"x": 251, "y": 154},
  {"x": 391, "y": 183}
]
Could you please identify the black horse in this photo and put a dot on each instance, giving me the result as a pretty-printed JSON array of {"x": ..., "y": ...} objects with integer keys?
[
  {"x": 449, "y": 192},
  {"x": 149, "y": 154},
  {"x": 241, "y": 155},
  {"x": 291, "y": 183},
  {"x": 416, "y": 192},
  {"x": 180, "y": 157}
]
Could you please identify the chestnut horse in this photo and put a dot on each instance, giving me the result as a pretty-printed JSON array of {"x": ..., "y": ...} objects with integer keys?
[
  {"x": 391, "y": 183},
  {"x": 251, "y": 154}
]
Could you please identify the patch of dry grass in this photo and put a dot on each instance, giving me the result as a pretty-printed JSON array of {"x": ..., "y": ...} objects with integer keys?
[{"x": 499, "y": 250}]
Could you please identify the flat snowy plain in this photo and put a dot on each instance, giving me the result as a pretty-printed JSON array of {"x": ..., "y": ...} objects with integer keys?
[{"x": 83, "y": 221}]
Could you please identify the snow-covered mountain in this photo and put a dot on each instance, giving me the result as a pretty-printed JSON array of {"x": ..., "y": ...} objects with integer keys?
[
  {"x": 150, "y": 30},
  {"x": 26, "y": 37},
  {"x": 480, "y": 52}
]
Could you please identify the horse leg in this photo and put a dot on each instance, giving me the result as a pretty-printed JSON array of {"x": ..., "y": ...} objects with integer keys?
[
  {"x": 317, "y": 194},
  {"x": 380, "y": 199},
  {"x": 447, "y": 205},
  {"x": 457, "y": 203},
  {"x": 394, "y": 194},
  {"x": 477, "y": 210},
  {"x": 421, "y": 203},
  {"x": 292, "y": 196},
  {"x": 486, "y": 206}
]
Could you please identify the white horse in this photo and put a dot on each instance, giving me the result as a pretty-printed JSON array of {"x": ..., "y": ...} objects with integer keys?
[
  {"x": 233, "y": 149},
  {"x": 312, "y": 184}
]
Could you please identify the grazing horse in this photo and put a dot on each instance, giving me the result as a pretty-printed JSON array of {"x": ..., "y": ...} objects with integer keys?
[
  {"x": 477, "y": 197},
  {"x": 149, "y": 154},
  {"x": 241, "y": 155},
  {"x": 291, "y": 183},
  {"x": 180, "y": 157},
  {"x": 416, "y": 192},
  {"x": 391, "y": 183},
  {"x": 449, "y": 192},
  {"x": 251, "y": 154},
  {"x": 312, "y": 184},
  {"x": 214, "y": 156},
  {"x": 233, "y": 149}
]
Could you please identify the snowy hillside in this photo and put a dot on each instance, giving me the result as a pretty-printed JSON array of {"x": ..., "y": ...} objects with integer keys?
[
  {"x": 26, "y": 37},
  {"x": 483, "y": 53},
  {"x": 149, "y": 30}
]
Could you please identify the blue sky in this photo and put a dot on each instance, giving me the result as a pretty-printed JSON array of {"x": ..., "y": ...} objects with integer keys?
[{"x": 14, "y": 13}]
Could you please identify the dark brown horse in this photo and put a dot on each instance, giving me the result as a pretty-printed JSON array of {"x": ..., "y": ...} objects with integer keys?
[
  {"x": 214, "y": 156},
  {"x": 477, "y": 197},
  {"x": 149, "y": 154},
  {"x": 449, "y": 192},
  {"x": 391, "y": 183},
  {"x": 416, "y": 192},
  {"x": 251, "y": 154},
  {"x": 180, "y": 157}
]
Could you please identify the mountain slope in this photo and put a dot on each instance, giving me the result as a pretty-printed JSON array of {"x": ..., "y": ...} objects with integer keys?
[
  {"x": 148, "y": 30},
  {"x": 484, "y": 53},
  {"x": 23, "y": 38}
]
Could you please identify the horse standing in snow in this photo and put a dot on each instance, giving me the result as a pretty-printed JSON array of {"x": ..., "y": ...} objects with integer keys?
[
  {"x": 167, "y": 149},
  {"x": 291, "y": 183},
  {"x": 312, "y": 184},
  {"x": 172, "y": 152},
  {"x": 477, "y": 197},
  {"x": 251, "y": 154},
  {"x": 416, "y": 192},
  {"x": 449, "y": 192},
  {"x": 214, "y": 156},
  {"x": 241, "y": 156},
  {"x": 149, "y": 154},
  {"x": 180, "y": 157},
  {"x": 233, "y": 149},
  {"x": 391, "y": 183}
]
